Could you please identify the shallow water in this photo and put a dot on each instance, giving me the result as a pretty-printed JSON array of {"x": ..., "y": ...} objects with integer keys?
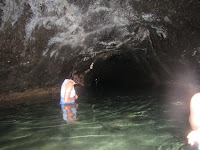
[{"x": 102, "y": 121}]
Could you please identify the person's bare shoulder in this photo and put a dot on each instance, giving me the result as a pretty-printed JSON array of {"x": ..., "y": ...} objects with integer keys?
[
  {"x": 69, "y": 84},
  {"x": 195, "y": 101}
]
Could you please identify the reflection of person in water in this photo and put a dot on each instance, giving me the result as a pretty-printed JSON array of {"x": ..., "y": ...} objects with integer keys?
[
  {"x": 194, "y": 136},
  {"x": 69, "y": 112}
]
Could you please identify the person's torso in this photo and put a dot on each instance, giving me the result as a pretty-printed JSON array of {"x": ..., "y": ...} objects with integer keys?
[{"x": 63, "y": 89}]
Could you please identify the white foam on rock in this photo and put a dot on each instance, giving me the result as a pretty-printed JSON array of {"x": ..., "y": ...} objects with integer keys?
[
  {"x": 70, "y": 21},
  {"x": 148, "y": 17},
  {"x": 11, "y": 12},
  {"x": 160, "y": 31}
]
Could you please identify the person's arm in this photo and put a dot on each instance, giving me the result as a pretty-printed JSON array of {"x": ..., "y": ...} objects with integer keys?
[
  {"x": 194, "y": 136},
  {"x": 195, "y": 112},
  {"x": 68, "y": 90},
  {"x": 76, "y": 106}
]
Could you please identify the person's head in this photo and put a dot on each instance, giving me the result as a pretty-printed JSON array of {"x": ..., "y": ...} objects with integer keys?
[{"x": 78, "y": 77}]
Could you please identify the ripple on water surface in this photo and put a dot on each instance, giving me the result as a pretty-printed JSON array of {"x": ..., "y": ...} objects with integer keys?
[{"x": 103, "y": 122}]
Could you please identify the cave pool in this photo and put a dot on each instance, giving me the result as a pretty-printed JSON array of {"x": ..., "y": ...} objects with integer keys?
[{"x": 104, "y": 121}]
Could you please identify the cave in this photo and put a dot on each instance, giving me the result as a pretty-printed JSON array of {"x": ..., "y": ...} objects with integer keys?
[
  {"x": 147, "y": 48},
  {"x": 146, "y": 45},
  {"x": 121, "y": 70}
]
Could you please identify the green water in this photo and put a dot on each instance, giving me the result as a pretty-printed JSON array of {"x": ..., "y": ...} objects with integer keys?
[{"x": 103, "y": 122}]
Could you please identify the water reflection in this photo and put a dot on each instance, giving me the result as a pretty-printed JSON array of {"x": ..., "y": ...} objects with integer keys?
[
  {"x": 69, "y": 112},
  {"x": 105, "y": 122}
]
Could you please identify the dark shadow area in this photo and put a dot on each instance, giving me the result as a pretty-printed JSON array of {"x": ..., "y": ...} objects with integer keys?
[{"x": 122, "y": 71}]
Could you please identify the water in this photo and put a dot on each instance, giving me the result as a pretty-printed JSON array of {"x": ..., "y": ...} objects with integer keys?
[{"x": 103, "y": 121}]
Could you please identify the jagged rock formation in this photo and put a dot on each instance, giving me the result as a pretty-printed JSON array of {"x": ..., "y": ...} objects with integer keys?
[{"x": 142, "y": 42}]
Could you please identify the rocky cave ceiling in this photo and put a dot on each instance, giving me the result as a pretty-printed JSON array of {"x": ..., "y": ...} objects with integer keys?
[{"x": 145, "y": 42}]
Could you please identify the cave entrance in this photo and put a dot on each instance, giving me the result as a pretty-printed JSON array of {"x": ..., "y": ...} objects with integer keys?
[{"x": 122, "y": 71}]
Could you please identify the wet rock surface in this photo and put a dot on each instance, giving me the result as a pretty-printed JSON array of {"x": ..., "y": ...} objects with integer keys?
[{"x": 151, "y": 42}]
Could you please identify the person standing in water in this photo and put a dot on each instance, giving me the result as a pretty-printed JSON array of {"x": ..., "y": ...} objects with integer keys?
[
  {"x": 194, "y": 119},
  {"x": 68, "y": 94}
]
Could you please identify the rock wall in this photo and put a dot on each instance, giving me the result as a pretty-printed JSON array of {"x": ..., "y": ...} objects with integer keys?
[{"x": 45, "y": 41}]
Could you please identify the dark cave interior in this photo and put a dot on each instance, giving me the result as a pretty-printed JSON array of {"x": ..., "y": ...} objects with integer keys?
[
  {"x": 123, "y": 70},
  {"x": 131, "y": 44}
]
